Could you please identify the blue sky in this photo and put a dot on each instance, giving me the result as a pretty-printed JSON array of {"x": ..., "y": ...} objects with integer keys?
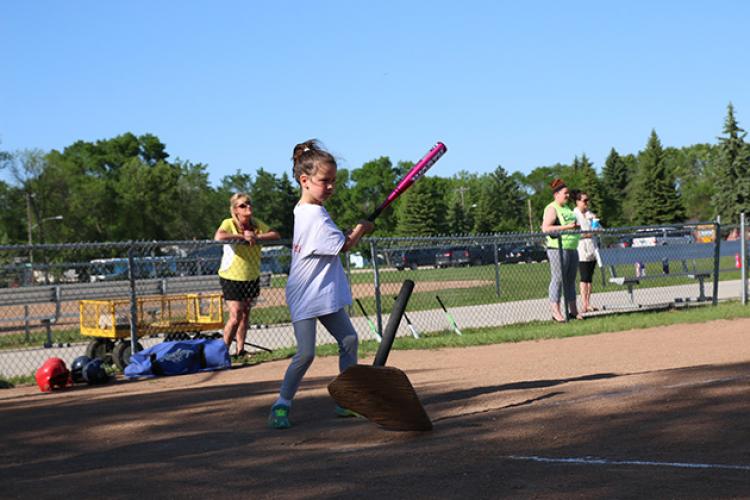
[{"x": 235, "y": 84}]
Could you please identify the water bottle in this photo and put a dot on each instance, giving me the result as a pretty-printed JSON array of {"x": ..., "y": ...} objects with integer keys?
[{"x": 595, "y": 224}]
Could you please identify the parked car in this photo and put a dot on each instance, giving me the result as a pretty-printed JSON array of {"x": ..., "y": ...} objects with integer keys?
[
  {"x": 482, "y": 255},
  {"x": 413, "y": 258},
  {"x": 452, "y": 257},
  {"x": 526, "y": 253},
  {"x": 662, "y": 236},
  {"x": 275, "y": 259}
]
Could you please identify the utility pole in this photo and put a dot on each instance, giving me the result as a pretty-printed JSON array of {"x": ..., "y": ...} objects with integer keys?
[
  {"x": 461, "y": 190},
  {"x": 29, "y": 229},
  {"x": 531, "y": 225}
]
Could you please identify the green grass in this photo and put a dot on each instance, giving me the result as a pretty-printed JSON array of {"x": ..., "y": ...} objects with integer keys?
[
  {"x": 38, "y": 338},
  {"x": 517, "y": 282},
  {"x": 539, "y": 330},
  {"x": 513, "y": 333}
]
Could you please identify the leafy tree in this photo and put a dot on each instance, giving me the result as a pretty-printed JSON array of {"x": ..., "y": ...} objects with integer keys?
[
  {"x": 340, "y": 205},
  {"x": 537, "y": 187},
  {"x": 202, "y": 208},
  {"x": 658, "y": 199},
  {"x": 371, "y": 184},
  {"x": 124, "y": 188},
  {"x": 236, "y": 183},
  {"x": 12, "y": 215},
  {"x": 691, "y": 166}
]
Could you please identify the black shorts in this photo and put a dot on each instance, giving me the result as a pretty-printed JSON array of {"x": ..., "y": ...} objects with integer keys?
[
  {"x": 240, "y": 290},
  {"x": 587, "y": 271}
]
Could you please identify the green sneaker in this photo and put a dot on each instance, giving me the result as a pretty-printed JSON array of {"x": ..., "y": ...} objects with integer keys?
[
  {"x": 279, "y": 417},
  {"x": 346, "y": 413}
]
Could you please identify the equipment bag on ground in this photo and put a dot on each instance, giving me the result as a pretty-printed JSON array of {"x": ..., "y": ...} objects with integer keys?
[{"x": 179, "y": 358}]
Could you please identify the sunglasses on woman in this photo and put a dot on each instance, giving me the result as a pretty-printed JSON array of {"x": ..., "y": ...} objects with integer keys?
[{"x": 244, "y": 205}]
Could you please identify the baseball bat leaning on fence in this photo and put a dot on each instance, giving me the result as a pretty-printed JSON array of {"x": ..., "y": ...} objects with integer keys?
[
  {"x": 449, "y": 316},
  {"x": 372, "y": 326},
  {"x": 258, "y": 347},
  {"x": 383, "y": 394},
  {"x": 409, "y": 324},
  {"x": 417, "y": 171}
]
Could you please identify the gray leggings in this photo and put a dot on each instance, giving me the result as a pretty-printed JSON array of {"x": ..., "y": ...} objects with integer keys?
[
  {"x": 340, "y": 326},
  {"x": 569, "y": 269}
]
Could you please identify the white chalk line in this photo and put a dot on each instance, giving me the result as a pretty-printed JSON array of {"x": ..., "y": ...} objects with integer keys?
[{"x": 604, "y": 461}]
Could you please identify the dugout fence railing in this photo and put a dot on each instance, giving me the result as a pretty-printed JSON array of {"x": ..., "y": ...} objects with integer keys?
[{"x": 105, "y": 299}]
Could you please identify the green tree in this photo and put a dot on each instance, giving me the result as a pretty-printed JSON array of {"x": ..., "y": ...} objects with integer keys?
[
  {"x": 371, "y": 184},
  {"x": 202, "y": 208},
  {"x": 615, "y": 180},
  {"x": 458, "y": 222},
  {"x": 340, "y": 205},
  {"x": 732, "y": 172},
  {"x": 422, "y": 209},
  {"x": 501, "y": 205},
  {"x": 236, "y": 183},
  {"x": 536, "y": 186},
  {"x": 12, "y": 215},
  {"x": 691, "y": 166},
  {"x": 124, "y": 188},
  {"x": 589, "y": 182},
  {"x": 658, "y": 199},
  {"x": 287, "y": 198}
]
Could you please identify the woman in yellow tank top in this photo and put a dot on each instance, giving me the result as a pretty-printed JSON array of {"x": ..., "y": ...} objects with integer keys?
[
  {"x": 239, "y": 272},
  {"x": 558, "y": 217}
]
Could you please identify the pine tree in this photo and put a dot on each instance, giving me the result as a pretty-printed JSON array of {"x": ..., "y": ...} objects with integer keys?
[
  {"x": 615, "y": 180},
  {"x": 658, "y": 200},
  {"x": 422, "y": 209},
  {"x": 590, "y": 184},
  {"x": 731, "y": 174},
  {"x": 501, "y": 206},
  {"x": 457, "y": 220}
]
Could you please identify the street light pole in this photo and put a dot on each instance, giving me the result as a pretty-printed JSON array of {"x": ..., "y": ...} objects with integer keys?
[{"x": 29, "y": 229}]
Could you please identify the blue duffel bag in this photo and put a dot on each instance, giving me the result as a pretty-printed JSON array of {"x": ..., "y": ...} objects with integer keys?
[{"x": 179, "y": 358}]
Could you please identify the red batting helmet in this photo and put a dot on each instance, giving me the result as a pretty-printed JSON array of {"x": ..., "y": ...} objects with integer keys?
[{"x": 53, "y": 374}]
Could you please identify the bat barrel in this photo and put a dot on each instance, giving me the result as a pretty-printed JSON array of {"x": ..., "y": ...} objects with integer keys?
[
  {"x": 415, "y": 173},
  {"x": 389, "y": 334}
]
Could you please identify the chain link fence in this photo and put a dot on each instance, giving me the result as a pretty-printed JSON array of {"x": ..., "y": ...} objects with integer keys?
[{"x": 104, "y": 299}]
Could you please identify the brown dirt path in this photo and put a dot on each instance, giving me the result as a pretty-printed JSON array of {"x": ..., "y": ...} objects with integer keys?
[{"x": 664, "y": 408}]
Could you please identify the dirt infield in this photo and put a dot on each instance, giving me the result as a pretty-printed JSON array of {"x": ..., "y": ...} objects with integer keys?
[{"x": 658, "y": 413}]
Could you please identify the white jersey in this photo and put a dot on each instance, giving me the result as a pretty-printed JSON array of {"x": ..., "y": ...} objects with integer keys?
[
  {"x": 586, "y": 246},
  {"x": 317, "y": 283}
]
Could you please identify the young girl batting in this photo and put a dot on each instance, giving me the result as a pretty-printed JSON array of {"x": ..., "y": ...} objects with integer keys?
[{"x": 317, "y": 288}]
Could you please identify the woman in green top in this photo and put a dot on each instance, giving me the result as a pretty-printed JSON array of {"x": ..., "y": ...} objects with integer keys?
[
  {"x": 239, "y": 272},
  {"x": 559, "y": 217}
]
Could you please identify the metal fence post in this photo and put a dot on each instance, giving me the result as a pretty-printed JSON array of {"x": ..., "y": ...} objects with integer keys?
[
  {"x": 376, "y": 277},
  {"x": 26, "y": 328},
  {"x": 133, "y": 301},
  {"x": 717, "y": 257},
  {"x": 743, "y": 260},
  {"x": 497, "y": 269},
  {"x": 58, "y": 302},
  {"x": 561, "y": 253},
  {"x": 347, "y": 259}
]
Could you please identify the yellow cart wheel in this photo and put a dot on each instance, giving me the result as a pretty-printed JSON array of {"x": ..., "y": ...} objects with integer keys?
[
  {"x": 100, "y": 348},
  {"x": 122, "y": 352}
]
